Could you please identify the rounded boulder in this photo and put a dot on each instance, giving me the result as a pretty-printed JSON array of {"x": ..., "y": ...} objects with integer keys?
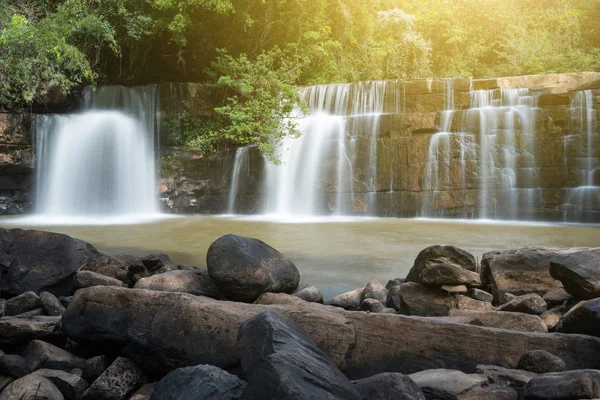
[{"x": 244, "y": 268}]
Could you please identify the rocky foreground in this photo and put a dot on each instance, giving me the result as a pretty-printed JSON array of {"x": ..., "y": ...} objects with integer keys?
[{"x": 78, "y": 324}]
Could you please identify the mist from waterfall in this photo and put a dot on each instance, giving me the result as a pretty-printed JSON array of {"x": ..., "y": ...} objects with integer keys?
[{"x": 99, "y": 163}]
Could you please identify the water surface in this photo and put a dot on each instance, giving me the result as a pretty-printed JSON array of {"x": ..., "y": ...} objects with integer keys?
[{"x": 334, "y": 254}]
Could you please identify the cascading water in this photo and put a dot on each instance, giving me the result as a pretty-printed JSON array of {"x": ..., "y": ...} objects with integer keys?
[
  {"x": 241, "y": 161},
  {"x": 493, "y": 154},
  {"x": 580, "y": 158},
  {"x": 101, "y": 162},
  {"x": 340, "y": 116}
]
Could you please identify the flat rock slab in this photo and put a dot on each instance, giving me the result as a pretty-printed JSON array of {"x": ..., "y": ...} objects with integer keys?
[
  {"x": 500, "y": 319},
  {"x": 447, "y": 383},
  {"x": 360, "y": 344},
  {"x": 521, "y": 271},
  {"x": 15, "y": 330}
]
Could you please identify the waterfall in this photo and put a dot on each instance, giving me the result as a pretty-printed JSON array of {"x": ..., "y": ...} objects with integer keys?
[
  {"x": 580, "y": 158},
  {"x": 100, "y": 162},
  {"x": 493, "y": 153},
  {"x": 241, "y": 160},
  {"x": 340, "y": 116}
]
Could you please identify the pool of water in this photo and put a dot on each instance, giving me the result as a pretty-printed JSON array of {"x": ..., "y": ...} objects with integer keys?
[{"x": 335, "y": 254}]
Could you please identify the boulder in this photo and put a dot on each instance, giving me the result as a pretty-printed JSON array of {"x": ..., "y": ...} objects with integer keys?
[
  {"x": 158, "y": 263},
  {"x": 22, "y": 303},
  {"x": 481, "y": 295},
  {"x": 455, "y": 289},
  {"x": 94, "y": 367},
  {"x": 579, "y": 272},
  {"x": 389, "y": 385},
  {"x": 439, "y": 275},
  {"x": 371, "y": 305},
  {"x": 122, "y": 268},
  {"x": 244, "y": 268},
  {"x": 120, "y": 379},
  {"x": 584, "y": 318},
  {"x": 280, "y": 360},
  {"x": 71, "y": 386},
  {"x": 309, "y": 293},
  {"x": 467, "y": 303},
  {"x": 39, "y": 354},
  {"x": 193, "y": 282},
  {"x": 37, "y": 261},
  {"x": 14, "y": 330},
  {"x": 14, "y": 365},
  {"x": 556, "y": 297},
  {"x": 500, "y": 319},
  {"x": 202, "y": 382},
  {"x": 51, "y": 305},
  {"x": 374, "y": 290},
  {"x": 360, "y": 344},
  {"x": 394, "y": 282},
  {"x": 283, "y": 298},
  {"x": 528, "y": 304},
  {"x": 2, "y": 308},
  {"x": 447, "y": 383},
  {"x": 31, "y": 387},
  {"x": 491, "y": 392},
  {"x": 541, "y": 362},
  {"x": 514, "y": 378},
  {"x": 520, "y": 271},
  {"x": 414, "y": 299},
  {"x": 348, "y": 301},
  {"x": 435, "y": 255},
  {"x": 553, "y": 315},
  {"x": 578, "y": 384},
  {"x": 85, "y": 279}
]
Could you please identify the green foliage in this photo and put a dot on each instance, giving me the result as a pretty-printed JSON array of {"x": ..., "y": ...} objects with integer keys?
[{"x": 260, "y": 99}]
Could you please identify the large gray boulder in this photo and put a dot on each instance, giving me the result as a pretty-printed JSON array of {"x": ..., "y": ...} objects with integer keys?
[
  {"x": 202, "y": 382},
  {"x": 578, "y": 384},
  {"x": 521, "y": 271},
  {"x": 583, "y": 318},
  {"x": 413, "y": 299},
  {"x": 23, "y": 303},
  {"x": 280, "y": 360},
  {"x": 71, "y": 386},
  {"x": 193, "y": 282},
  {"x": 360, "y": 344},
  {"x": 436, "y": 255},
  {"x": 37, "y": 261},
  {"x": 579, "y": 273},
  {"x": 244, "y": 268}
]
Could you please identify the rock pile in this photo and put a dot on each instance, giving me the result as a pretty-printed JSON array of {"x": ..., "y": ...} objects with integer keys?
[{"x": 78, "y": 324}]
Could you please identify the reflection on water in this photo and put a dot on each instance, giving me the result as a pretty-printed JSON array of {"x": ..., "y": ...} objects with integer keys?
[{"x": 335, "y": 255}]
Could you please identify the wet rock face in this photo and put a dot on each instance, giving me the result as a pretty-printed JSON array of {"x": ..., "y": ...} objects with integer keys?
[{"x": 244, "y": 268}]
